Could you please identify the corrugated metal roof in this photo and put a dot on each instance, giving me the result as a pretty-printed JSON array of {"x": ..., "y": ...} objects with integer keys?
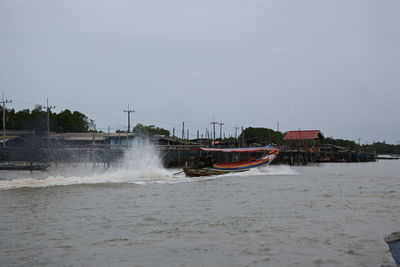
[
  {"x": 84, "y": 138},
  {"x": 303, "y": 135},
  {"x": 87, "y": 136}
]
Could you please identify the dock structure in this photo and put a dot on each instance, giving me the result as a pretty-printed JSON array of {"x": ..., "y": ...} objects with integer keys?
[
  {"x": 177, "y": 156},
  {"x": 301, "y": 157},
  {"x": 102, "y": 149},
  {"x": 300, "y": 147},
  {"x": 308, "y": 141}
]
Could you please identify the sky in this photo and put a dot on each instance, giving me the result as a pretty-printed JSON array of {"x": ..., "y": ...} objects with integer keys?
[{"x": 331, "y": 65}]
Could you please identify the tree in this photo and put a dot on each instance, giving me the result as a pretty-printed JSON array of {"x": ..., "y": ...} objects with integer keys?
[
  {"x": 340, "y": 142},
  {"x": 262, "y": 135},
  {"x": 383, "y": 148},
  {"x": 150, "y": 130},
  {"x": 36, "y": 119},
  {"x": 67, "y": 121},
  {"x": 26, "y": 120}
]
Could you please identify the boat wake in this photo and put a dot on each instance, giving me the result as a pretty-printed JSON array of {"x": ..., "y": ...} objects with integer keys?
[
  {"x": 274, "y": 170},
  {"x": 141, "y": 165}
]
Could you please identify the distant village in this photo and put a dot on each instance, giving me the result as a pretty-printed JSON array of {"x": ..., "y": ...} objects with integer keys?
[{"x": 32, "y": 139}]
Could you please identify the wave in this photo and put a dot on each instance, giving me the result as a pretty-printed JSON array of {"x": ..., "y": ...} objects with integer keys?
[{"x": 141, "y": 165}]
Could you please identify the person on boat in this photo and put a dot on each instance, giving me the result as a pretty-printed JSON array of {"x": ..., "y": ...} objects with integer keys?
[
  {"x": 203, "y": 161},
  {"x": 207, "y": 160}
]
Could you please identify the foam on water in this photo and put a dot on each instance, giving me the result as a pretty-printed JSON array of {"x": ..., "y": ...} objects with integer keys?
[
  {"x": 267, "y": 170},
  {"x": 274, "y": 170},
  {"x": 141, "y": 165}
]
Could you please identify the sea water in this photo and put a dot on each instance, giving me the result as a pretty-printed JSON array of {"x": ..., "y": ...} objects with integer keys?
[{"x": 141, "y": 214}]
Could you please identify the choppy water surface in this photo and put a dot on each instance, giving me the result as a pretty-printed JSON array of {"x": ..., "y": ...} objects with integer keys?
[{"x": 323, "y": 215}]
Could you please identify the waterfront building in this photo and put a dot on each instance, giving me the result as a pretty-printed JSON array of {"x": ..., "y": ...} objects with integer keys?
[{"x": 308, "y": 140}]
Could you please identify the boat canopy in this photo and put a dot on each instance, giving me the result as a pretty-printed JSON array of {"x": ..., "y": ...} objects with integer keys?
[{"x": 242, "y": 149}]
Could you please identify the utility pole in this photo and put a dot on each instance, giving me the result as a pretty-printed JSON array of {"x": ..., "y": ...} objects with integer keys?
[
  {"x": 183, "y": 130},
  {"x": 94, "y": 150},
  {"x": 236, "y": 129},
  {"x": 213, "y": 123},
  {"x": 242, "y": 136},
  {"x": 4, "y": 102},
  {"x": 108, "y": 135},
  {"x": 220, "y": 129},
  {"x": 48, "y": 108},
  {"x": 129, "y": 111}
]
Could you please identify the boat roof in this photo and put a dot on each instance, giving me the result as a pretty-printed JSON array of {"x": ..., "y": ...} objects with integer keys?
[{"x": 242, "y": 149}]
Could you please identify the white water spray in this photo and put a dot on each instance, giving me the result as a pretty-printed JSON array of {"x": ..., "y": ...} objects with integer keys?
[
  {"x": 142, "y": 161},
  {"x": 141, "y": 165},
  {"x": 274, "y": 170}
]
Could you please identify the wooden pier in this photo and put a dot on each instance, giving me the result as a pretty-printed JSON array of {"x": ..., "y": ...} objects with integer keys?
[{"x": 172, "y": 156}]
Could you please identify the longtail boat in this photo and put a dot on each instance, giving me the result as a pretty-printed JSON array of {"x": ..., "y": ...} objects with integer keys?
[{"x": 209, "y": 168}]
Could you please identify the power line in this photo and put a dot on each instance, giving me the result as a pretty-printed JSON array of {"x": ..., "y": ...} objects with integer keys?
[
  {"x": 93, "y": 111},
  {"x": 146, "y": 116}
]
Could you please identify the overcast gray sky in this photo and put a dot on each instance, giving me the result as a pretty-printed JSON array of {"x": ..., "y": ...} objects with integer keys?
[{"x": 332, "y": 65}]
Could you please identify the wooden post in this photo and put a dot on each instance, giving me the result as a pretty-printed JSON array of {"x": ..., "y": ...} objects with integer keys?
[
  {"x": 94, "y": 151},
  {"x": 243, "y": 137}
]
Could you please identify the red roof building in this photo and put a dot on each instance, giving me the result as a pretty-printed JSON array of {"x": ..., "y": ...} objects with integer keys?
[
  {"x": 303, "y": 135},
  {"x": 304, "y": 140}
]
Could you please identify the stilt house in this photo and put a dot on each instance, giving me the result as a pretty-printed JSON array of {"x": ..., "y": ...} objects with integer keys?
[{"x": 309, "y": 140}]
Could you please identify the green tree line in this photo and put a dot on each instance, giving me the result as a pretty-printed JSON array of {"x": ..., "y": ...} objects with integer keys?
[
  {"x": 36, "y": 120},
  {"x": 262, "y": 135},
  {"x": 148, "y": 130},
  {"x": 351, "y": 145},
  {"x": 383, "y": 148}
]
